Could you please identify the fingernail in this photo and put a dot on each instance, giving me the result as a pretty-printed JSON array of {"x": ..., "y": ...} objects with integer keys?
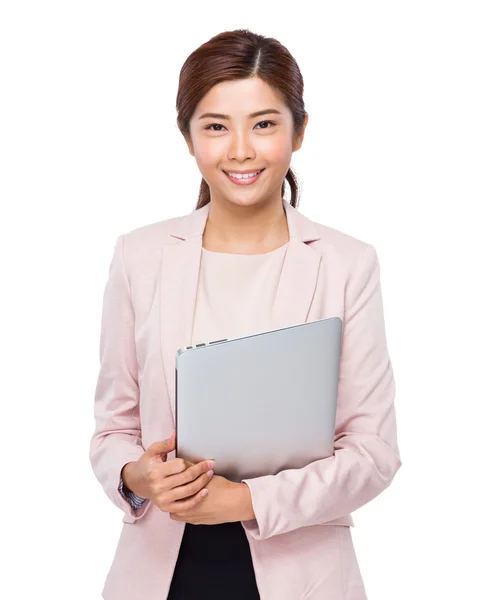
[{"x": 211, "y": 464}]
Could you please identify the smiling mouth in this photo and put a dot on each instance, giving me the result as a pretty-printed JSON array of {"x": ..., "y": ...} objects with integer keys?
[{"x": 244, "y": 180}]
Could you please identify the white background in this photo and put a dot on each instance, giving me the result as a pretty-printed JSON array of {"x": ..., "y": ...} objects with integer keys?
[{"x": 90, "y": 149}]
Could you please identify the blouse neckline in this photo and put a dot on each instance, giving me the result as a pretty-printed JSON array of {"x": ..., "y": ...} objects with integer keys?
[{"x": 245, "y": 255}]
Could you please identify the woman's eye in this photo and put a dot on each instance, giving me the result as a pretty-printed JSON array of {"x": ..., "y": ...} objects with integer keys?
[
  {"x": 214, "y": 125},
  {"x": 219, "y": 125},
  {"x": 271, "y": 122}
]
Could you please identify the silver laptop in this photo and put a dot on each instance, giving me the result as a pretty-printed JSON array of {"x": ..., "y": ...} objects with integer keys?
[{"x": 261, "y": 403}]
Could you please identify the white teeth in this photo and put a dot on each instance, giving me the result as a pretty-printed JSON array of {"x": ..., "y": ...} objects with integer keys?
[{"x": 239, "y": 176}]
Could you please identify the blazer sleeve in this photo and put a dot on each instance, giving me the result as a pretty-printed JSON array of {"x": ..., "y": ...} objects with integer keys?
[
  {"x": 116, "y": 438},
  {"x": 366, "y": 456},
  {"x": 131, "y": 497}
]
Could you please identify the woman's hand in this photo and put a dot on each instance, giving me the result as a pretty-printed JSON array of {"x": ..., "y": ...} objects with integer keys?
[
  {"x": 175, "y": 485},
  {"x": 222, "y": 504}
]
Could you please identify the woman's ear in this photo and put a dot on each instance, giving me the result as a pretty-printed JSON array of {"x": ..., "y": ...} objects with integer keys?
[
  {"x": 300, "y": 138},
  {"x": 190, "y": 145}
]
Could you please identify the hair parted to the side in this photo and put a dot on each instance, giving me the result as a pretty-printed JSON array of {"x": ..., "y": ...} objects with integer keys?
[{"x": 240, "y": 54}]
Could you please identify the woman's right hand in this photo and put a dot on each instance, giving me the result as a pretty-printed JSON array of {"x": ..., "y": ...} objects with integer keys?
[{"x": 174, "y": 485}]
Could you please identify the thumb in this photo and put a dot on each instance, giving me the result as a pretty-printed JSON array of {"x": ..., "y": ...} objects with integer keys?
[{"x": 163, "y": 446}]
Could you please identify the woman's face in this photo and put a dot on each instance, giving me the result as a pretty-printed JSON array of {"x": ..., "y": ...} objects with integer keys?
[{"x": 234, "y": 141}]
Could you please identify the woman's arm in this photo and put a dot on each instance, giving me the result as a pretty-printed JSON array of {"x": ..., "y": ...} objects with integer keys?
[
  {"x": 117, "y": 436},
  {"x": 366, "y": 455}
]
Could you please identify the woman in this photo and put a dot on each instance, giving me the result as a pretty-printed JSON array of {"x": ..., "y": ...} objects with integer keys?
[{"x": 243, "y": 261}]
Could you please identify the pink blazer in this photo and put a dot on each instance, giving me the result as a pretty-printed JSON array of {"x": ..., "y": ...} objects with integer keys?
[{"x": 300, "y": 540}]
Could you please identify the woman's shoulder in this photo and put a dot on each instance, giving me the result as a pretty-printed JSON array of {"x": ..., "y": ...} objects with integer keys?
[
  {"x": 155, "y": 232},
  {"x": 339, "y": 245},
  {"x": 146, "y": 240}
]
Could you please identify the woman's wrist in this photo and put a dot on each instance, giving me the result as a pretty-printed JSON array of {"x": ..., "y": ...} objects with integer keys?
[
  {"x": 245, "y": 502},
  {"x": 132, "y": 478}
]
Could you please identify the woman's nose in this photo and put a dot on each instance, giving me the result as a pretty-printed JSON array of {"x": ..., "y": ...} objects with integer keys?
[{"x": 240, "y": 148}]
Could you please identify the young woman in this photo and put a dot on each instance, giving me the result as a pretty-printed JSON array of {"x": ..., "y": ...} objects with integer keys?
[{"x": 244, "y": 260}]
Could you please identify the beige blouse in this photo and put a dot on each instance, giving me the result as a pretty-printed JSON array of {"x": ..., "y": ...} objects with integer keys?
[{"x": 235, "y": 293}]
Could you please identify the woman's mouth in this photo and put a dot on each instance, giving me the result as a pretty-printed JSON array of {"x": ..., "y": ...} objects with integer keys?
[{"x": 244, "y": 180}]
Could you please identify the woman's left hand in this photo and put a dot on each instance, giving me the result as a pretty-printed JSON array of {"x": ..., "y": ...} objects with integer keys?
[{"x": 223, "y": 504}]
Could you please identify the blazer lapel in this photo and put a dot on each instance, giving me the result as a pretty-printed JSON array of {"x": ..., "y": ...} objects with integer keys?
[{"x": 180, "y": 277}]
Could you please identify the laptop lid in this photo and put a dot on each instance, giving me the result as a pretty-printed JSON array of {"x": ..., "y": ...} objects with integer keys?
[{"x": 261, "y": 403}]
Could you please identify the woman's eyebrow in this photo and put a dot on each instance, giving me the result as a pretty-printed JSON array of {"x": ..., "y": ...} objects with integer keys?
[{"x": 258, "y": 113}]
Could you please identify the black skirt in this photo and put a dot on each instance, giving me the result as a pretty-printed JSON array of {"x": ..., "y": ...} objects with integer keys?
[{"x": 214, "y": 562}]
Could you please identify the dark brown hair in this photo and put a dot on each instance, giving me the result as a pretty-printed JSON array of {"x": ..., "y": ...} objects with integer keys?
[{"x": 233, "y": 55}]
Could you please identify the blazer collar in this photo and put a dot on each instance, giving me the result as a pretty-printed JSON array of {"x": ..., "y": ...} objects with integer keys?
[
  {"x": 180, "y": 276},
  {"x": 193, "y": 224}
]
